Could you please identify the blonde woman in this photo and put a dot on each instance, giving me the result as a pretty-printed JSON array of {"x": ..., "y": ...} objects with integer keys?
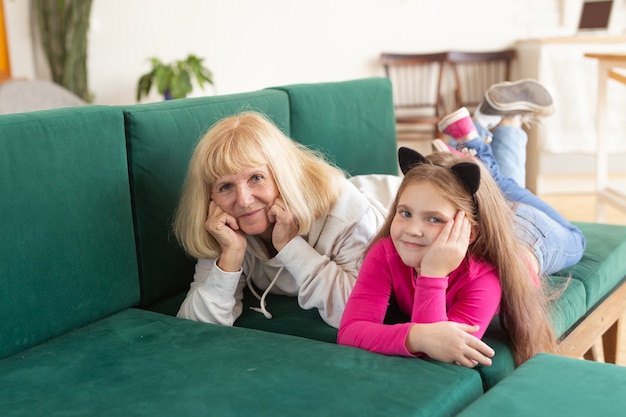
[{"x": 260, "y": 210}]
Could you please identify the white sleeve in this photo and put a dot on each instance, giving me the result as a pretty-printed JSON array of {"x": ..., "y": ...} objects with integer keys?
[
  {"x": 325, "y": 281},
  {"x": 215, "y": 296}
]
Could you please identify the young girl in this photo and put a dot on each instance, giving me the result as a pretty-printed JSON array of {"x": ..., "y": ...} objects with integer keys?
[{"x": 446, "y": 253}]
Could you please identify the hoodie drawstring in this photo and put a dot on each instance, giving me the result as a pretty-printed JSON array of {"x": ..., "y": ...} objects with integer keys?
[{"x": 262, "y": 308}]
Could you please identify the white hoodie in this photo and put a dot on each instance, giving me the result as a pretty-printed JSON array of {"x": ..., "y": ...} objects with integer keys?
[{"x": 319, "y": 268}]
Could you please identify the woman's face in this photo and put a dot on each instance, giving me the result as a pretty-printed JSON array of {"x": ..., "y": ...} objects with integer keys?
[{"x": 247, "y": 196}]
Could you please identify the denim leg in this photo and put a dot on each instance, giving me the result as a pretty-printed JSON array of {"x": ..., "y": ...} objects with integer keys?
[
  {"x": 508, "y": 145},
  {"x": 509, "y": 149},
  {"x": 556, "y": 247},
  {"x": 557, "y": 243},
  {"x": 511, "y": 189},
  {"x": 484, "y": 153}
]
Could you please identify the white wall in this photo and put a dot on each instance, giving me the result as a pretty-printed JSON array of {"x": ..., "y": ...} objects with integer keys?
[{"x": 253, "y": 44}]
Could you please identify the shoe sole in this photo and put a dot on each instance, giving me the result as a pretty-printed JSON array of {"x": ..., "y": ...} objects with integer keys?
[
  {"x": 452, "y": 117},
  {"x": 516, "y": 97}
]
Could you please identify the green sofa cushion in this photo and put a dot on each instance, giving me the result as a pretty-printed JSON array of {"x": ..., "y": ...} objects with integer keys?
[
  {"x": 604, "y": 263},
  {"x": 352, "y": 122},
  {"x": 549, "y": 385},
  {"x": 161, "y": 138},
  {"x": 67, "y": 252},
  {"x": 565, "y": 310},
  {"x": 287, "y": 318},
  {"x": 570, "y": 304},
  {"x": 142, "y": 363}
]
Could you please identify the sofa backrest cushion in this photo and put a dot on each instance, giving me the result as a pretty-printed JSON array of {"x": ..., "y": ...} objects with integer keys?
[
  {"x": 352, "y": 122},
  {"x": 160, "y": 139},
  {"x": 67, "y": 247}
]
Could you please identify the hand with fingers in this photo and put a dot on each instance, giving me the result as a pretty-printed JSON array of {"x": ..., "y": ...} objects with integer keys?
[
  {"x": 450, "y": 342},
  {"x": 449, "y": 249},
  {"x": 285, "y": 224},
  {"x": 224, "y": 228}
]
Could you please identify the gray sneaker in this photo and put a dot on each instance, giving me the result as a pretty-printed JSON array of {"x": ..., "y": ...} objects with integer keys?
[{"x": 524, "y": 97}]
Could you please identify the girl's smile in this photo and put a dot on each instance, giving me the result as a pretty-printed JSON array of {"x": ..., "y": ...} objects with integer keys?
[{"x": 421, "y": 215}]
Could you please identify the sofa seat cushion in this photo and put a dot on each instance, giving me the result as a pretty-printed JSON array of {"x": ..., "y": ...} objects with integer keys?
[
  {"x": 566, "y": 309},
  {"x": 287, "y": 318},
  {"x": 570, "y": 303},
  {"x": 143, "y": 363},
  {"x": 549, "y": 385},
  {"x": 603, "y": 265}
]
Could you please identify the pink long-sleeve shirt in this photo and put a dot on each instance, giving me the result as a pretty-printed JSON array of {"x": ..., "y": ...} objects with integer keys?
[{"x": 470, "y": 294}]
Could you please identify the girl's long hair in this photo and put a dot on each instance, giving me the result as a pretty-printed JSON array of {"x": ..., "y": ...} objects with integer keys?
[
  {"x": 308, "y": 184},
  {"x": 524, "y": 306}
]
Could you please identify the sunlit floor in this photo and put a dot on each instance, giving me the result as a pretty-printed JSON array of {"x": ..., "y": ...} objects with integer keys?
[{"x": 583, "y": 207}]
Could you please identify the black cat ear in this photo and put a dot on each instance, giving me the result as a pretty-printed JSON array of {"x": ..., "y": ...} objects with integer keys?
[
  {"x": 469, "y": 174},
  {"x": 408, "y": 158}
]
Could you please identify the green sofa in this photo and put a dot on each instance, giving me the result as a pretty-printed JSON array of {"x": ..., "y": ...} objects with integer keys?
[
  {"x": 91, "y": 277},
  {"x": 548, "y": 385}
]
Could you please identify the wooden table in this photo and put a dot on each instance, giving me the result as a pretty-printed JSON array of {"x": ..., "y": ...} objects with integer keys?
[{"x": 607, "y": 62}]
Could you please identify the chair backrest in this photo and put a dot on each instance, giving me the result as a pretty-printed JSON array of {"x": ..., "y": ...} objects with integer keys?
[
  {"x": 475, "y": 72},
  {"x": 416, "y": 81}
]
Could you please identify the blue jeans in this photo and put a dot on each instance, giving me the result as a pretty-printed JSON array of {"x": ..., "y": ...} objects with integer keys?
[{"x": 556, "y": 242}]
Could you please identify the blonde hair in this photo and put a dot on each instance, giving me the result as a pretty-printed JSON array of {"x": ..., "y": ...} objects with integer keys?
[
  {"x": 306, "y": 181},
  {"x": 524, "y": 307}
]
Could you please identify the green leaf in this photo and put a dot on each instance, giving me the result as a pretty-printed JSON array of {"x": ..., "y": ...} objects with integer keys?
[
  {"x": 144, "y": 85},
  {"x": 163, "y": 76}
]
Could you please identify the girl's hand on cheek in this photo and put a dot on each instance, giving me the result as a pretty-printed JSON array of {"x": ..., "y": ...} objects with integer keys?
[
  {"x": 224, "y": 228},
  {"x": 285, "y": 224},
  {"x": 449, "y": 249}
]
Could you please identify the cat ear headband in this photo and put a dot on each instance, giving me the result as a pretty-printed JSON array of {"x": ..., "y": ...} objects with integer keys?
[{"x": 467, "y": 172}]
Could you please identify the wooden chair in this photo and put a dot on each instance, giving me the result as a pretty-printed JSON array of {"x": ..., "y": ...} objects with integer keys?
[
  {"x": 416, "y": 81},
  {"x": 475, "y": 72}
]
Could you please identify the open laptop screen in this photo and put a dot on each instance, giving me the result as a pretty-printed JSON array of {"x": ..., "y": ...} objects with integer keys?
[{"x": 595, "y": 15}]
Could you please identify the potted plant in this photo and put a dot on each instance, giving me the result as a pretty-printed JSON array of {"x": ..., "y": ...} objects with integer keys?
[{"x": 173, "y": 80}]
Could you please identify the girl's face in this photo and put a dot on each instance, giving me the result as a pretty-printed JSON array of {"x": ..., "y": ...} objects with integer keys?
[
  {"x": 247, "y": 196},
  {"x": 421, "y": 215}
]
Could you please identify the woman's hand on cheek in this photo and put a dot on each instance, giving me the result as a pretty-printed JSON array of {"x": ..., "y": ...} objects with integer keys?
[
  {"x": 285, "y": 224},
  {"x": 224, "y": 228},
  {"x": 448, "y": 249}
]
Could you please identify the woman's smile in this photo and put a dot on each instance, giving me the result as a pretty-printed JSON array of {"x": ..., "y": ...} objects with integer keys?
[{"x": 251, "y": 214}]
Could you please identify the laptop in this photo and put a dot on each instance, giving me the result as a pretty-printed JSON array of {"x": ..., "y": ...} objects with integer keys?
[{"x": 595, "y": 17}]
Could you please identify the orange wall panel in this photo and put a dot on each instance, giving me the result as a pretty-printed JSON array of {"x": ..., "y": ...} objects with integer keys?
[{"x": 5, "y": 65}]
